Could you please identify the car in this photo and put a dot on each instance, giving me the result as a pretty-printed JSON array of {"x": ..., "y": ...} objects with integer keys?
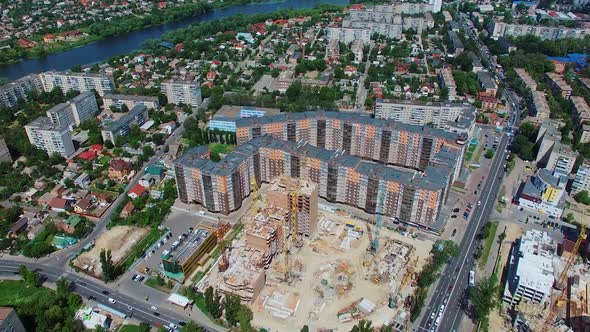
[
  {"x": 113, "y": 301},
  {"x": 454, "y": 216},
  {"x": 483, "y": 177},
  {"x": 182, "y": 323},
  {"x": 466, "y": 215},
  {"x": 105, "y": 292},
  {"x": 454, "y": 232},
  {"x": 134, "y": 277},
  {"x": 478, "y": 203},
  {"x": 475, "y": 192},
  {"x": 470, "y": 205},
  {"x": 90, "y": 297},
  {"x": 467, "y": 210},
  {"x": 432, "y": 315},
  {"x": 450, "y": 287},
  {"x": 154, "y": 308},
  {"x": 456, "y": 210},
  {"x": 130, "y": 308},
  {"x": 157, "y": 314}
]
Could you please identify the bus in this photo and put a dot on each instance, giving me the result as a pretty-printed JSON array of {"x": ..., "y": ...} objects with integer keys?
[{"x": 471, "y": 278}]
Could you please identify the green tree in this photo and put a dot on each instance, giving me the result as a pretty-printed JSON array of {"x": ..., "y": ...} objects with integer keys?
[
  {"x": 363, "y": 326},
  {"x": 484, "y": 297},
  {"x": 232, "y": 304},
  {"x": 489, "y": 154},
  {"x": 582, "y": 197},
  {"x": 244, "y": 317},
  {"x": 108, "y": 268},
  {"x": 305, "y": 328},
  {"x": 191, "y": 327}
]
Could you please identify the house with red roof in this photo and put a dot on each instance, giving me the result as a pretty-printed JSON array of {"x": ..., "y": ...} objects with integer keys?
[
  {"x": 59, "y": 204},
  {"x": 88, "y": 155},
  {"x": 349, "y": 70},
  {"x": 24, "y": 43},
  {"x": 137, "y": 191},
  {"x": 215, "y": 63},
  {"x": 96, "y": 148},
  {"x": 161, "y": 5},
  {"x": 128, "y": 210},
  {"x": 49, "y": 38},
  {"x": 179, "y": 47},
  {"x": 211, "y": 76},
  {"x": 357, "y": 6},
  {"x": 208, "y": 84}
]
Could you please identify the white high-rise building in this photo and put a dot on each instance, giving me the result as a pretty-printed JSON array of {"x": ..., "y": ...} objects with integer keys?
[
  {"x": 75, "y": 111},
  {"x": 178, "y": 91},
  {"x": 436, "y": 5},
  {"x": 51, "y": 138},
  {"x": 11, "y": 92},
  {"x": 77, "y": 81},
  {"x": 582, "y": 180}
]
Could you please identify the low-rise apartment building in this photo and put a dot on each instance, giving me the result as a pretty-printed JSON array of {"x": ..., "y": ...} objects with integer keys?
[
  {"x": 117, "y": 100},
  {"x": 538, "y": 106},
  {"x": 448, "y": 81},
  {"x": 559, "y": 85},
  {"x": 526, "y": 79}
]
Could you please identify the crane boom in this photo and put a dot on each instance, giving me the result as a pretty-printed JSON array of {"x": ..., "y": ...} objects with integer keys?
[{"x": 378, "y": 222}]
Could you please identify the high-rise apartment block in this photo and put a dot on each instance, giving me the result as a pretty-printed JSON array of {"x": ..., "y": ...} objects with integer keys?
[
  {"x": 284, "y": 190},
  {"x": 498, "y": 29},
  {"x": 74, "y": 111},
  {"x": 530, "y": 269},
  {"x": 582, "y": 179},
  {"x": 379, "y": 140},
  {"x": 452, "y": 117},
  {"x": 49, "y": 137},
  {"x": 178, "y": 91},
  {"x": 411, "y": 197},
  {"x": 130, "y": 101},
  {"x": 11, "y": 92},
  {"x": 77, "y": 81},
  {"x": 138, "y": 115}
]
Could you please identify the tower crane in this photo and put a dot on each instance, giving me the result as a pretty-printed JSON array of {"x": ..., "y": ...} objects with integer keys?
[
  {"x": 378, "y": 222},
  {"x": 562, "y": 281}
]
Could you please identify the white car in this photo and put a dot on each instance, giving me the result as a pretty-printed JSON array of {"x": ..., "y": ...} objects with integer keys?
[
  {"x": 154, "y": 308},
  {"x": 478, "y": 203},
  {"x": 113, "y": 301}
]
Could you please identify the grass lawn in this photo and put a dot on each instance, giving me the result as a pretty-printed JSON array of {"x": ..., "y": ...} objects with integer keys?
[
  {"x": 221, "y": 148},
  {"x": 153, "y": 283},
  {"x": 469, "y": 152},
  {"x": 487, "y": 246},
  {"x": 16, "y": 292}
]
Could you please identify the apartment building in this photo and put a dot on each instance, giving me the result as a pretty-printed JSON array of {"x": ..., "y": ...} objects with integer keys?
[
  {"x": 410, "y": 197},
  {"x": 9, "y": 320},
  {"x": 187, "y": 253},
  {"x": 526, "y": 79},
  {"x": 551, "y": 152},
  {"x": 543, "y": 193},
  {"x": 81, "y": 82},
  {"x": 561, "y": 159},
  {"x": 585, "y": 136},
  {"x": 11, "y": 92},
  {"x": 138, "y": 115},
  {"x": 49, "y": 137},
  {"x": 282, "y": 193},
  {"x": 582, "y": 179},
  {"x": 487, "y": 83},
  {"x": 498, "y": 29},
  {"x": 538, "y": 106},
  {"x": 530, "y": 269},
  {"x": 559, "y": 85},
  {"x": 225, "y": 118},
  {"x": 118, "y": 100},
  {"x": 349, "y": 34},
  {"x": 581, "y": 111},
  {"x": 456, "y": 46},
  {"x": 265, "y": 232},
  {"x": 452, "y": 117},
  {"x": 4, "y": 153},
  {"x": 187, "y": 92},
  {"x": 448, "y": 81},
  {"x": 74, "y": 111},
  {"x": 379, "y": 140}
]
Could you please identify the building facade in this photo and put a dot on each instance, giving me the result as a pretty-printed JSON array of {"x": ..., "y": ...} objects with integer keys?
[
  {"x": 81, "y": 82},
  {"x": 75, "y": 111},
  {"x": 501, "y": 29},
  {"x": 50, "y": 138},
  {"x": 117, "y": 100},
  {"x": 543, "y": 193},
  {"x": 410, "y": 197},
  {"x": 582, "y": 179},
  {"x": 11, "y": 92},
  {"x": 225, "y": 118},
  {"x": 186, "y": 92},
  {"x": 4, "y": 152},
  {"x": 138, "y": 115},
  {"x": 9, "y": 321}
]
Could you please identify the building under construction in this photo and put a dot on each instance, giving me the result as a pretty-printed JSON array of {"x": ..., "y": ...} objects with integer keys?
[
  {"x": 284, "y": 189},
  {"x": 245, "y": 276},
  {"x": 265, "y": 233}
]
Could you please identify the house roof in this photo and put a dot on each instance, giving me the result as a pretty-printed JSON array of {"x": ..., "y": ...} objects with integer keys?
[
  {"x": 18, "y": 225},
  {"x": 73, "y": 220},
  {"x": 58, "y": 203},
  {"x": 96, "y": 147},
  {"x": 119, "y": 165},
  {"x": 5, "y": 312},
  {"x": 87, "y": 155},
  {"x": 138, "y": 190},
  {"x": 129, "y": 207}
]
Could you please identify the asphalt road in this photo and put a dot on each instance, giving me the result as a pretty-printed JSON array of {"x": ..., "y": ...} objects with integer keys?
[
  {"x": 135, "y": 308},
  {"x": 445, "y": 311}
]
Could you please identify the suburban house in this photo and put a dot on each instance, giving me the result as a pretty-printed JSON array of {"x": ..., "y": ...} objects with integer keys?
[
  {"x": 127, "y": 210},
  {"x": 69, "y": 225},
  {"x": 59, "y": 204},
  {"x": 119, "y": 168},
  {"x": 137, "y": 191},
  {"x": 18, "y": 227}
]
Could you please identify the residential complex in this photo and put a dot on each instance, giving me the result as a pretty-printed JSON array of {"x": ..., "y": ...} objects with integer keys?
[
  {"x": 380, "y": 140},
  {"x": 81, "y": 82},
  {"x": 46, "y": 136},
  {"x": 543, "y": 192},
  {"x": 187, "y": 92},
  {"x": 582, "y": 179},
  {"x": 552, "y": 153},
  {"x": 138, "y": 115},
  {"x": 130, "y": 101},
  {"x": 456, "y": 44},
  {"x": 581, "y": 115},
  {"x": 452, "y": 117},
  {"x": 75, "y": 111},
  {"x": 538, "y": 106},
  {"x": 188, "y": 252},
  {"x": 225, "y": 118},
  {"x": 498, "y": 29},
  {"x": 411, "y": 197},
  {"x": 11, "y": 92},
  {"x": 447, "y": 81},
  {"x": 530, "y": 269}
]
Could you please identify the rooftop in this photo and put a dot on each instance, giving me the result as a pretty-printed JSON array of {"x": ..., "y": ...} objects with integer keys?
[
  {"x": 44, "y": 123},
  {"x": 234, "y": 112},
  {"x": 130, "y": 97},
  {"x": 535, "y": 264},
  {"x": 193, "y": 241},
  {"x": 559, "y": 81}
]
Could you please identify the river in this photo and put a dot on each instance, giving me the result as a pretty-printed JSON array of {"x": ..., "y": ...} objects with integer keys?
[{"x": 122, "y": 44}]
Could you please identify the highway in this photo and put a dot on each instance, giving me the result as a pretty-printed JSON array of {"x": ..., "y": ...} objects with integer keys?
[{"x": 446, "y": 307}]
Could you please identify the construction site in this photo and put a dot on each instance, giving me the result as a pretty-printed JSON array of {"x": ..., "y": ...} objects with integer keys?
[{"x": 296, "y": 265}]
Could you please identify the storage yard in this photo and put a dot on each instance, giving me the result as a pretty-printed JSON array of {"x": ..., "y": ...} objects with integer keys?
[{"x": 344, "y": 281}]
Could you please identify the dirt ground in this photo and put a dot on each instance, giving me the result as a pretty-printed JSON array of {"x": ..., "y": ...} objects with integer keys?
[
  {"x": 331, "y": 278},
  {"x": 119, "y": 240}
]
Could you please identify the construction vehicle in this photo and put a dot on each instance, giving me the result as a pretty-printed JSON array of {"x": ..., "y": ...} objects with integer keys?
[
  {"x": 379, "y": 212},
  {"x": 561, "y": 283}
]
